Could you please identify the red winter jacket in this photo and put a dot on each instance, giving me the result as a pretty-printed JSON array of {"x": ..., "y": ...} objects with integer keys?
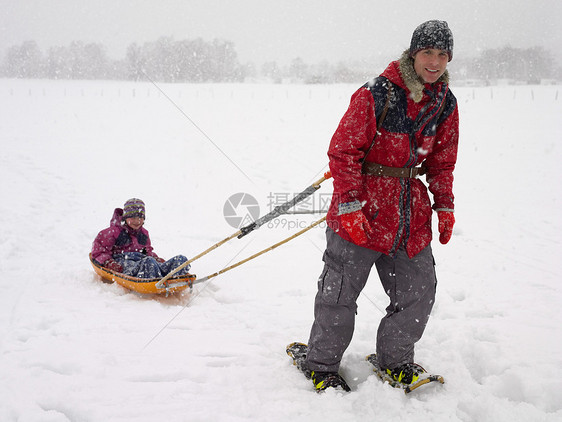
[
  {"x": 415, "y": 131},
  {"x": 119, "y": 238}
]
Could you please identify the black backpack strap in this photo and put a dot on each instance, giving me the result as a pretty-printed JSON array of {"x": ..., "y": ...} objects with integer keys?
[{"x": 380, "y": 120}]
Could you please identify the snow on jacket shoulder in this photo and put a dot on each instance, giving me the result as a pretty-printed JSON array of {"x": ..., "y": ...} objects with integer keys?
[
  {"x": 119, "y": 238},
  {"x": 421, "y": 126}
]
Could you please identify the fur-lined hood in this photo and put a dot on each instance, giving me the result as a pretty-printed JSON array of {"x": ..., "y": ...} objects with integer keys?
[{"x": 412, "y": 81}]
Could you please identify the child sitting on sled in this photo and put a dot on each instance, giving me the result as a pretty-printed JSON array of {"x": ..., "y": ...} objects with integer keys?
[{"x": 125, "y": 247}]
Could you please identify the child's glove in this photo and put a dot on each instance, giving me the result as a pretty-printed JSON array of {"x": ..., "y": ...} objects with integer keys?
[
  {"x": 355, "y": 223},
  {"x": 113, "y": 265},
  {"x": 446, "y": 223}
]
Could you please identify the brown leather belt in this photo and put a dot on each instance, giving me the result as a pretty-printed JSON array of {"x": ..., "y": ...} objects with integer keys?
[{"x": 375, "y": 169}]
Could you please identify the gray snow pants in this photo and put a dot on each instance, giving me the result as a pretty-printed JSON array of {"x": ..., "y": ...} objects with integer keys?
[{"x": 409, "y": 283}]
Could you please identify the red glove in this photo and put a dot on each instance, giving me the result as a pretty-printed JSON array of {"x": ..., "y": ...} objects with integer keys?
[
  {"x": 446, "y": 223},
  {"x": 160, "y": 260},
  {"x": 113, "y": 265},
  {"x": 356, "y": 224}
]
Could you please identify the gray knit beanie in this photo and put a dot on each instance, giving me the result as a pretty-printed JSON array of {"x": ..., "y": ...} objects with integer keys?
[{"x": 432, "y": 34}]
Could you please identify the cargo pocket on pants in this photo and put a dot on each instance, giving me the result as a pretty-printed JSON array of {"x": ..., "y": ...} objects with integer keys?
[{"x": 331, "y": 280}]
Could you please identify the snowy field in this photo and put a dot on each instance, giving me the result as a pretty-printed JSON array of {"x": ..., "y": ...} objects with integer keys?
[{"x": 75, "y": 349}]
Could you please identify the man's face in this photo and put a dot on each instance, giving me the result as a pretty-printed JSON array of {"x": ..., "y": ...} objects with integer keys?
[{"x": 430, "y": 64}]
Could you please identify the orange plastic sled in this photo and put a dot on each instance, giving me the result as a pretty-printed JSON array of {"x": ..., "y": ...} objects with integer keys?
[{"x": 144, "y": 285}]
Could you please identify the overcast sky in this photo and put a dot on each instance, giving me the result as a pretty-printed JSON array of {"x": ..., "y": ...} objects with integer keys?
[{"x": 280, "y": 30}]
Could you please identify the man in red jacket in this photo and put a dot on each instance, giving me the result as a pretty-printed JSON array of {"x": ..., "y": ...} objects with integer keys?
[{"x": 402, "y": 124}]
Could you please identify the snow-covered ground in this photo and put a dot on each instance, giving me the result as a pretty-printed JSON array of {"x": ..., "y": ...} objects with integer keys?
[{"x": 75, "y": 349}]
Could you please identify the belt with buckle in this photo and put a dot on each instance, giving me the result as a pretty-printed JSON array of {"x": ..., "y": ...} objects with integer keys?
[{"x": 375, "y": 169}]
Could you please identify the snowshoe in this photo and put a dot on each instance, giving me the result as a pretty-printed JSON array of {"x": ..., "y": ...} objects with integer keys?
[
  {"x": 297, "y": 351},
  {"x": 407, "y": 377},
  {"x": 324, "y": 380},
  {"x": 321, "y": 380}
]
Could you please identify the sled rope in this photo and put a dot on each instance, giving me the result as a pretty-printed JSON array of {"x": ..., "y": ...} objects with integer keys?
[
  {"x": 277, "y": 211},
  {"x": 282, "y": 209},
  {"x": 261, "y": 252}
]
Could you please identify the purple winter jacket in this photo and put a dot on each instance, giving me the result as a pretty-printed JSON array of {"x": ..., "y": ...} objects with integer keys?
[{"x": 119, "y": 238}]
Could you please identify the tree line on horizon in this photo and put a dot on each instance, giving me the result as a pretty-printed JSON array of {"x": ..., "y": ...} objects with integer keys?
[{"x": 195, "y": 61}]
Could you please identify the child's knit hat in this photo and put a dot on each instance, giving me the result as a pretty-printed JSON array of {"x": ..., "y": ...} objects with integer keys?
[{"x": 134, "y": 207}]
